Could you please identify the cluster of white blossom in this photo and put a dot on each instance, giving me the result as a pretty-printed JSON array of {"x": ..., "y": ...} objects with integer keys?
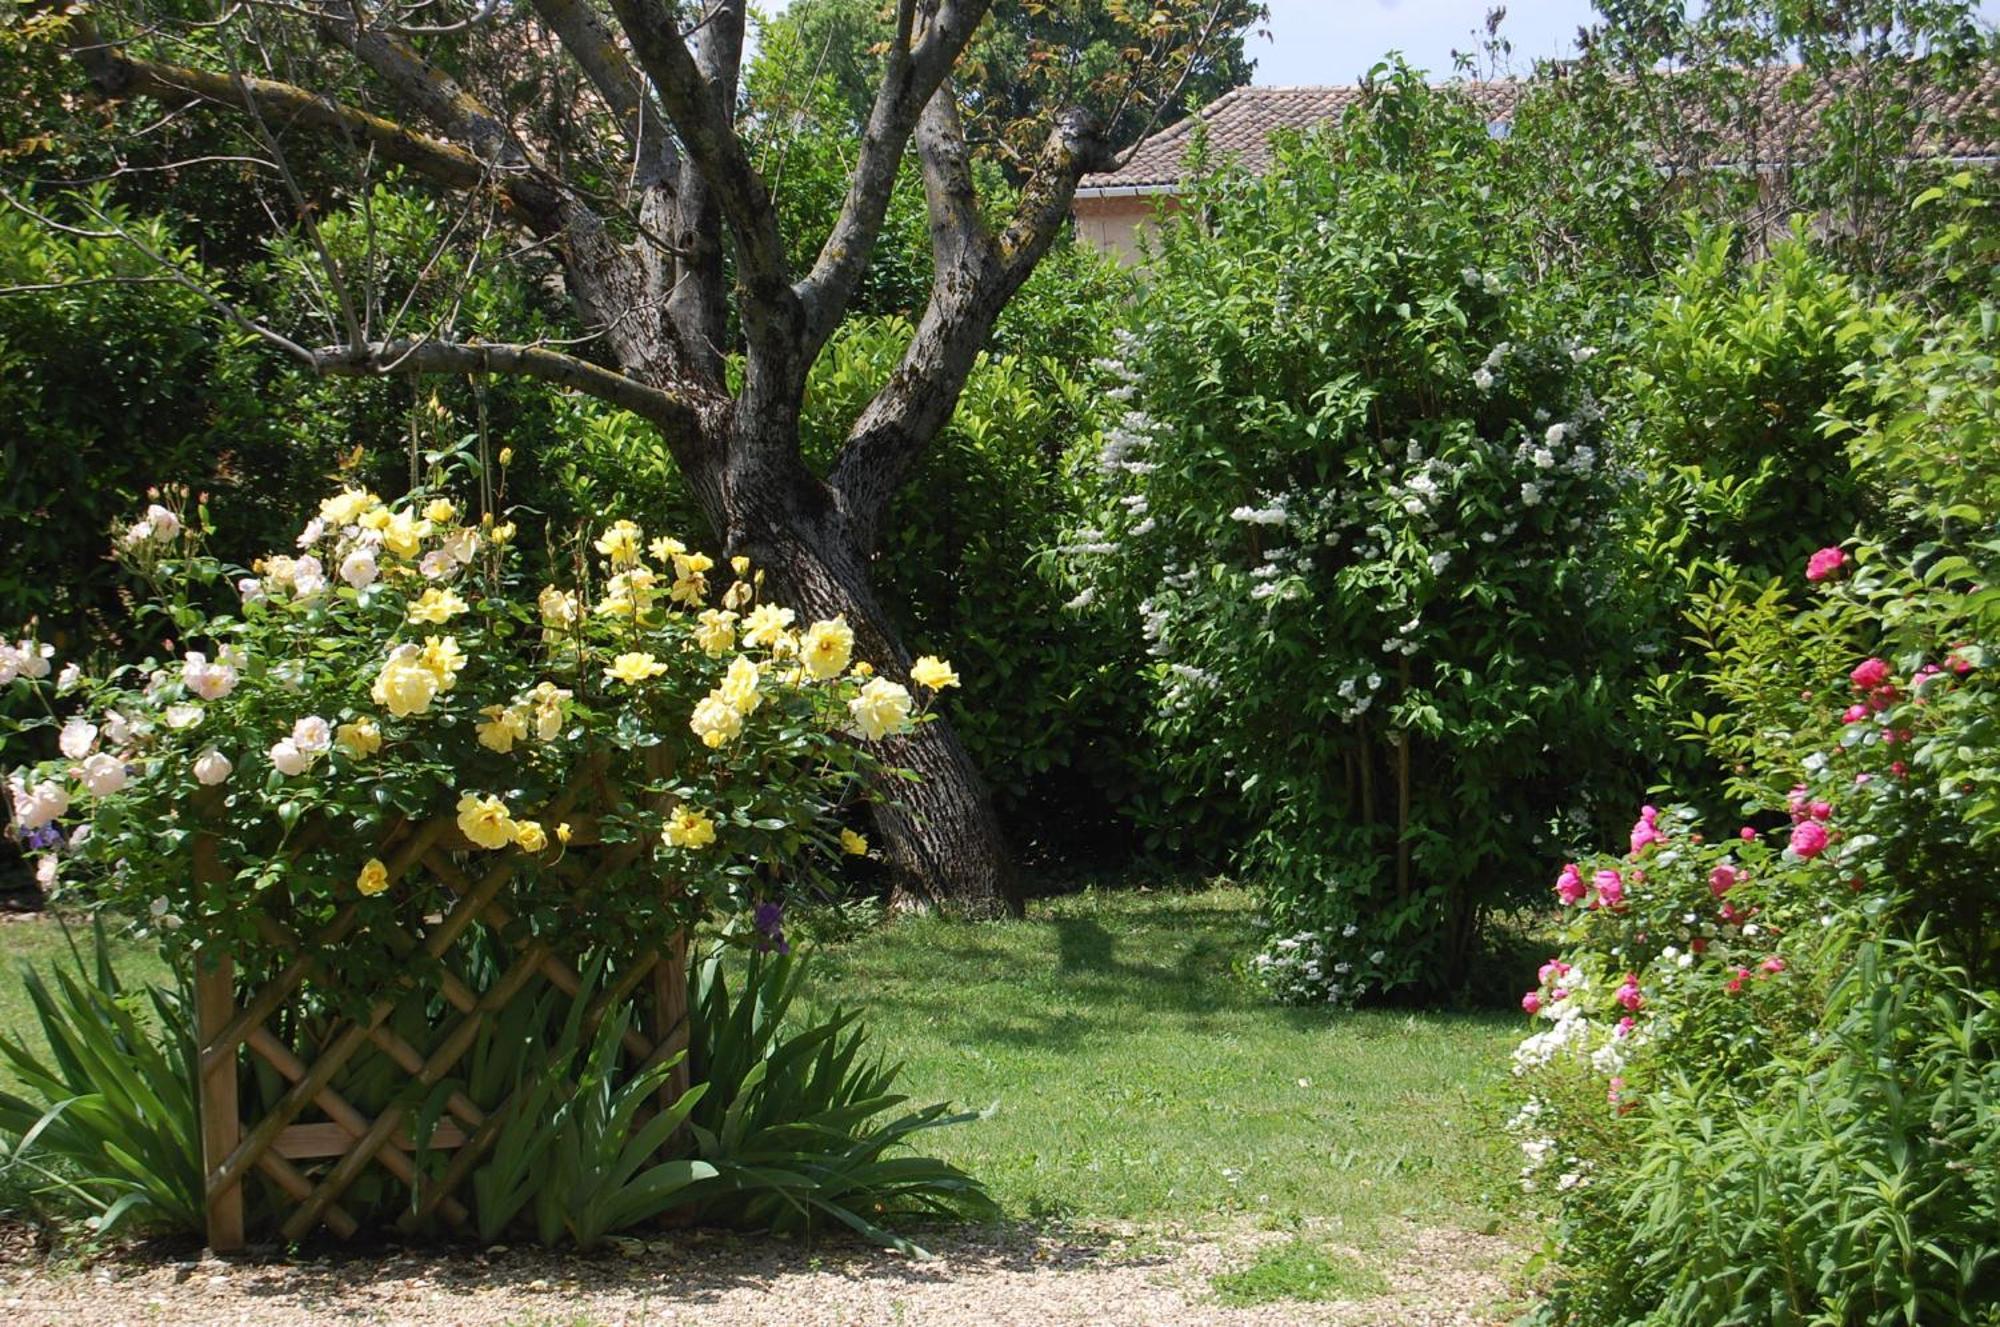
[{"x": 1316, "y": 967}]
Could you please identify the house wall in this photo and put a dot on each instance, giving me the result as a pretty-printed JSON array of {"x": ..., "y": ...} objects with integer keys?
[{"x": 1115, "y": 224}]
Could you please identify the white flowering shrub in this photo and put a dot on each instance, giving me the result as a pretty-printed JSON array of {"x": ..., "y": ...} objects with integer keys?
[
  {"x": 1360, "y": 506},
  {"x": 396, "y": 666}
]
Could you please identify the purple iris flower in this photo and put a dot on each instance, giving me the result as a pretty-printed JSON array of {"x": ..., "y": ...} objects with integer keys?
[{"x": 769, "y": 918}]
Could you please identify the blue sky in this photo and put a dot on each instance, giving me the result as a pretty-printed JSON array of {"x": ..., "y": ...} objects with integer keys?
[{"x": 1335, "y": 41}]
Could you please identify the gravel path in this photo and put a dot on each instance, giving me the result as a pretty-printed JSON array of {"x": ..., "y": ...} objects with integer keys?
[{"x": 994, "y": 1279}]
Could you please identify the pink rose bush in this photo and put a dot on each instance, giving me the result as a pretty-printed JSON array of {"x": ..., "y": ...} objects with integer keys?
[{"x": 1720, "y": 1007}]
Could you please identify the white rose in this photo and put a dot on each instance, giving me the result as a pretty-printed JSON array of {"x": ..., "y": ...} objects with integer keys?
[
  {"x": 436, "y": 565},
  {"x": 117, "y": 728},
  {"x": 77, "y": 739},
  {"x": 212, "y": 767},
  {"x": 312, "y": 735},
  {"x": 34, "y": 659},
  {"x": 139, "y": 534},
  {"x": 165, "y": 524},
  {"x": 103, "y": 774},
  {"x": 179, "y": 717},
  {"x": 359, "y": 568},
  {"x": 69, "y": 677},
  {"x": 288, "y": 759},
  {"x": 210, "y": 681},
  {"x": 315, "y": 529},
  {"x": 252, "y": 590}
]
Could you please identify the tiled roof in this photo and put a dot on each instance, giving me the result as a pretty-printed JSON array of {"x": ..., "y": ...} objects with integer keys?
[{"x": 1962, "y": 123}]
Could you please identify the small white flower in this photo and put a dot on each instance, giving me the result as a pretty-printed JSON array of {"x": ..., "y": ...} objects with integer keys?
[
  {"x": 288, "y": 759},
  {"x": 315, "y": 530},
  {"x": 103, "y": 774},
  {"x": 212, "y": 767},
  {"x": 1531, "y": 495},
  {"x": 1482, "y": 378},
  {"x": 70, "y": 676},
  {"x": 77, "y": 738},
  {"x": 359, "y": 568},
  {"x": 312, "y": 735}
]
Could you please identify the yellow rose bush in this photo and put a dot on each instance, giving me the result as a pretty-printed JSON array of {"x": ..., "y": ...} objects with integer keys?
[{"x": 397, "y": 665}]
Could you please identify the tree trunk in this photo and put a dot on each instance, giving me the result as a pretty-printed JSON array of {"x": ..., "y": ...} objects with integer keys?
[{"x": 941, "y": 835}]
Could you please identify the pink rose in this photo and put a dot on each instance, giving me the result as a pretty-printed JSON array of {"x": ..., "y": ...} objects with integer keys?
[
  {"x": 1532, "y": 1002},
  {"x": 1624, "y": 1028},
  {"x": 1735, "y": 983},
  {"x": 1854, "y": 714},
  {"x": 1773, "y": 964},
  {"x": 1824, "y": 563},
  {"x": 1869, "y": 674},
  {"x": 1808, "y": 839},
  {"x": 1610, "y": 888},
  {"x": 1821, "y": 810},
  {"x": 1628, "y": 994},
  {"x": 1747, "y": 834},
  {"x": 1570, "y": 887},
  {"x": 1552, "y": 969},
  {"x": 1722, "y": 879}
]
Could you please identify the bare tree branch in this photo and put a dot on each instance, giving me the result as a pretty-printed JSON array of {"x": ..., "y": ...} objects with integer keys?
[
  {"x": 918, "y": 64},
  {"x": 670, "y": 411}
]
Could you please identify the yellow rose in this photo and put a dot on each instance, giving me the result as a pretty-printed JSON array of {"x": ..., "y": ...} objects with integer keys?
[
  {"x": 562, "y": 832},
  {"x": 854, "y": 845},
  {"x": 506, "y": 457},
  {"x": 440, "y": 511},
  {"x": 530, "y": 837},
  {"x": 485, "y": 821},
  {"x": 405, "y": 686},
  {"x": 933, "y": 672},
  {"x": 548, "y": 701},
  {"x": 665, "y": 549},
  {"x": 827, "y": 648},
  {"x": 559, "y": 608},
  {"x": 503, "y": 534},
  {"x": 863, "y": 669},
  {"x": 402, "y": 533},
  {"x": 634, "y": 668},
  {"x": 444, "y": 659},
  {"x": 739, "y": 687},
  {"x": 738, "y": 595},
  {"x": 504, "y": 726},
  {"x": 359, "y": 739},
  {"x": 766, "y": 624},
  {"x": 620, "y": 543},
  {"x": 347, "y": 506},
  {"x": 883, "y": 707},
  {"x": 374, "y": 878},
  {"x": 740, "y": 565},
  {"x": 716, "y": 721},
  {"x": 437, "y": 607},
  {"x": 716, "y": 631},
  {"x": 689, "y": 828}
]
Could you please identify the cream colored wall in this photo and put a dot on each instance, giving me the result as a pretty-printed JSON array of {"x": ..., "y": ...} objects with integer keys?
[{"x": 1114, "y": 224}]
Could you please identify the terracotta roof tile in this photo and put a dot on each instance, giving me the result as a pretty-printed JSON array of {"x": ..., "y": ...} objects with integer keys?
[{"x": 1962, "y": 123}]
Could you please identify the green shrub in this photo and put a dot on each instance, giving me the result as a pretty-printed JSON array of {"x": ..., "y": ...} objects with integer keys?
[{"x": 1362, "y": 510}]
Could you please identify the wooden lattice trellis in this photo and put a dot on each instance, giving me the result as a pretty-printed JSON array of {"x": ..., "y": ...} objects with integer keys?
[{"x": 655, "y": 984}]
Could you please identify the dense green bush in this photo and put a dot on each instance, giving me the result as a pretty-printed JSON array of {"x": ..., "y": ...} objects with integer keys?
[
  {"x": 1765, "y": 1088},
  {"x": 1363, "y": 511}
]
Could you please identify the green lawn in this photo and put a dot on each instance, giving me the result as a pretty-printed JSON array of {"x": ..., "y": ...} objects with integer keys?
[{"x": 1134, "y": 1075}]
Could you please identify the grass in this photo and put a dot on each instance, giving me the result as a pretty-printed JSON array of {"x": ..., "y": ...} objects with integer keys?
[
  {"x": 1298, "y": 1269},
  {"x": 1133, "y": 1075}
]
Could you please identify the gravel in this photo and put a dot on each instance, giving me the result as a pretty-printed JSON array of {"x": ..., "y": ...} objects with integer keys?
[{"x": 991, "y": 1277}]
